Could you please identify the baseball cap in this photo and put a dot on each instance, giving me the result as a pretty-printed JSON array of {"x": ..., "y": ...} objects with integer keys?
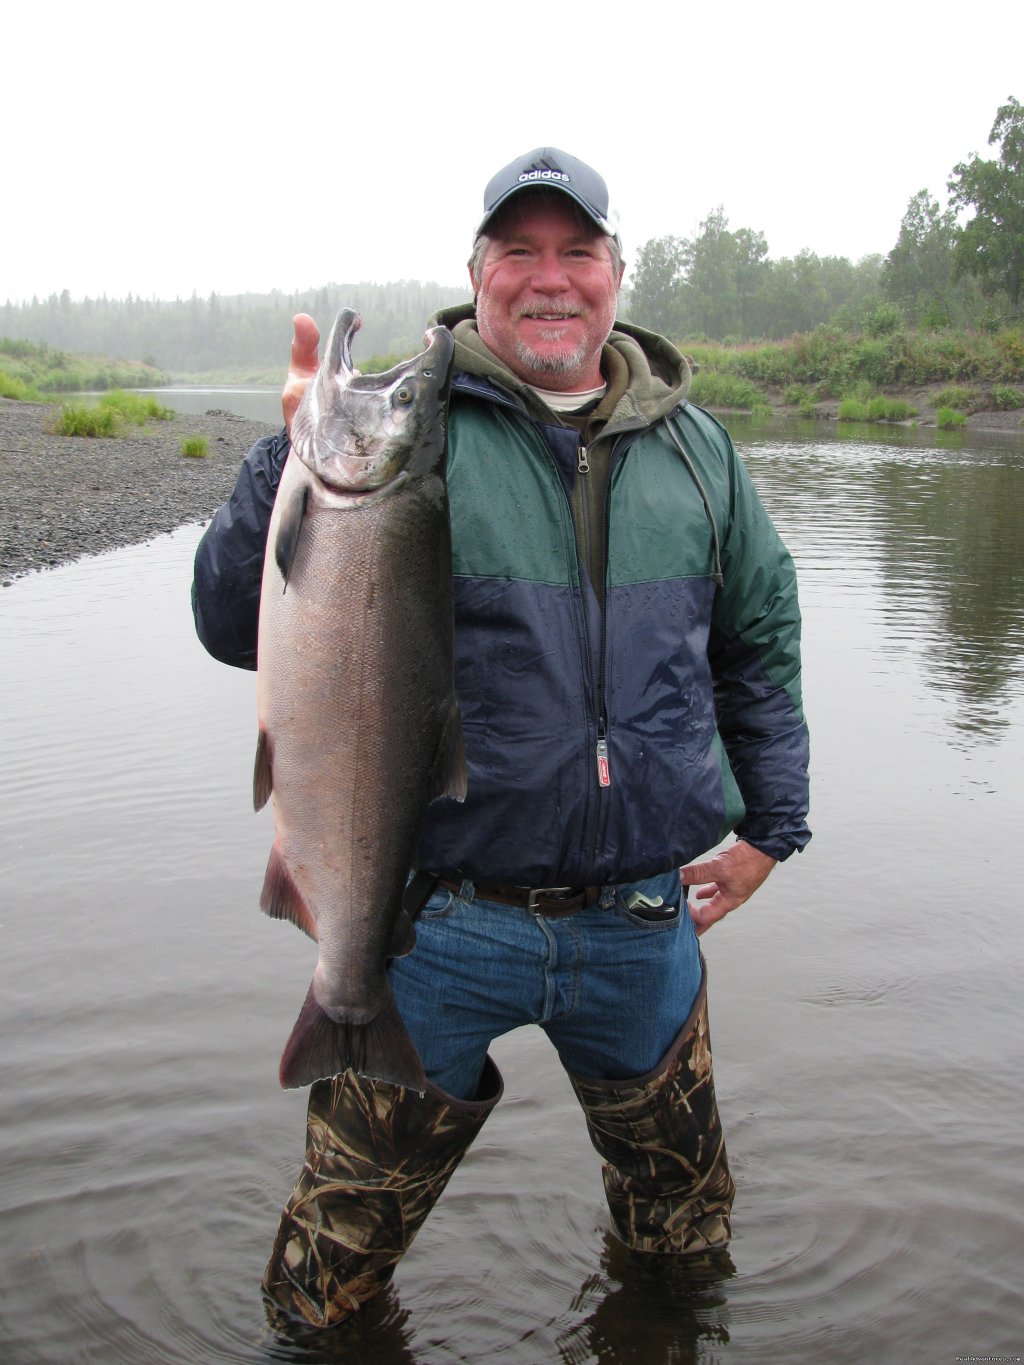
[{"x": 548, "y": 168}]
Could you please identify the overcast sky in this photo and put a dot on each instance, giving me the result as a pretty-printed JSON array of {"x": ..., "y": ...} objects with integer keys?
[{"x": 241, "y": 147}]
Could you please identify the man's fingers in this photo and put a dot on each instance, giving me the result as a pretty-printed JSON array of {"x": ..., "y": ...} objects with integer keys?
[
  {"x": 306, "y": 340},
  {"x": 697, "y": 873},
  {"x": 303, "y": 366}
]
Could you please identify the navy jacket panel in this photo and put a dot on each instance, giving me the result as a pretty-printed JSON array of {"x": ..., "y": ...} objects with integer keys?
[{"x": 229, "y": 560}]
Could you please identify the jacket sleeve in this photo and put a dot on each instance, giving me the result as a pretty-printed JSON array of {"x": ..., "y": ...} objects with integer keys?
[
  {"x": 754, "y": 651},
  {"x": 229, "y": 561}
]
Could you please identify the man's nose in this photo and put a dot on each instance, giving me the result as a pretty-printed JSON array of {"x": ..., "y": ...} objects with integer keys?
[{"x": 549, "y": 274}]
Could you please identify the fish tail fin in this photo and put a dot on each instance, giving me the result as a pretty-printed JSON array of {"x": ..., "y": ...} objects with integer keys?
[{"x": 319, "y": 1048}]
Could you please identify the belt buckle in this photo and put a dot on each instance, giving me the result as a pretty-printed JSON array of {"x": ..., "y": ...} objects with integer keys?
[{"x": 538, "y": 891}]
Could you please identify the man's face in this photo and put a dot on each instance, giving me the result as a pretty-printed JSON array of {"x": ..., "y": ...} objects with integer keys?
[{"x": 546, "y": 294}]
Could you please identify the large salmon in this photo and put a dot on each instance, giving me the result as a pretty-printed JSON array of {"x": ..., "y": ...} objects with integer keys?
[{"x": 358, "y": 724}]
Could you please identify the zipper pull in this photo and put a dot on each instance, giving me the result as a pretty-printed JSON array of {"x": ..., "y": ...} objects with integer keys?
[
  {"x": 583, "y": 460},
  {"x": 604, "y": 776}
]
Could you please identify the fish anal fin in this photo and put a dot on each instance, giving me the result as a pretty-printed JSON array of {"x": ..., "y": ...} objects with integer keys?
[
  {"x": 319, "y": 1048},
  {"x": 289, "y": 528},
  {"x": 448, "y": 776},
  {"x": 282, "y": 899},
  {"x": 262, "y": 773}
]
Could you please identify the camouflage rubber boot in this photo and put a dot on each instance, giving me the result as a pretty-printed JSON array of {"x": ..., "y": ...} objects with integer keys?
[
  {"x": 377, "y": 1159},
  {"x": 666, "y": 1174}
]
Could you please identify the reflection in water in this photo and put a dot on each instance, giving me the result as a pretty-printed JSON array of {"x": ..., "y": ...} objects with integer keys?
[
  {"x": 943, "y": 528},
  {"x": 651, "y": 1310},
  {"x": 866, "y": 1010}
]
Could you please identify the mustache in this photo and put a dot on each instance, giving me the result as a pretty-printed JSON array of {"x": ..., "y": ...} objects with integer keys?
[{"x": 538, "y": 308}]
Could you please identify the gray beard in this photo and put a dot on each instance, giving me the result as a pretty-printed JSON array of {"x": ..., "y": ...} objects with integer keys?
[{"x": 565, "y": 363}]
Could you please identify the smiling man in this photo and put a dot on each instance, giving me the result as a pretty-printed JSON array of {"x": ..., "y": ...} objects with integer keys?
[{"x": 627, "y": 668}]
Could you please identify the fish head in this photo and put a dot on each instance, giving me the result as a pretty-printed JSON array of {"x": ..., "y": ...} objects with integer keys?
[{"x": 362, "y": 433}]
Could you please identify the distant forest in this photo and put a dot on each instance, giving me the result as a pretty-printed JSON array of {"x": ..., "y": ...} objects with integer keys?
[
  {"x": 719, "y": 286},
  {"x": 242, "y": 331}
]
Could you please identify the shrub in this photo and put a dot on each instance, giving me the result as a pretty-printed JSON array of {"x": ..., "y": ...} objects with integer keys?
[
  {"x": 196, "y": 447},
  {"x": 956, "y": 396},
  {"x": 1007, "y": 399},
  {"x": 948, "y": 417}
]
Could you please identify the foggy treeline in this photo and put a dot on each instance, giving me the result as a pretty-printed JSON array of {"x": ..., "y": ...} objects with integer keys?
[
  {"x": 719, "y": 285},
  {"x": 237, "y": 331}
]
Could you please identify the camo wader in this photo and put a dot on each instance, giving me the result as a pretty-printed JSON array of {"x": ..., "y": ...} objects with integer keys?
[
  {"x": 666, "y": 1174},
  {"x": 377, "y": 1159}
]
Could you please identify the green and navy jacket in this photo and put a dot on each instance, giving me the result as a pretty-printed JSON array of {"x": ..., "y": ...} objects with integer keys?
[{"x": 606, "y": 740}]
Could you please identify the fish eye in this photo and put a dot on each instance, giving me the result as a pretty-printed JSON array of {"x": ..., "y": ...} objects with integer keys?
[
  {"x": 403, "y": 395},
  {"x": 426, "y": 373}
]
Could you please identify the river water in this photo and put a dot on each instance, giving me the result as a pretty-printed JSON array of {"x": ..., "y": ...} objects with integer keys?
[{"x": 866, "y": 1007}]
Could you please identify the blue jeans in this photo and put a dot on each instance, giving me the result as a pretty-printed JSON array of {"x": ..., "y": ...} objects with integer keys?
[{"x": 611, "y": 986}]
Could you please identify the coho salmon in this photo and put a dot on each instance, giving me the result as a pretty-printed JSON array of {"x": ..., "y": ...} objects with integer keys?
[{"x": 358, "y": 723}]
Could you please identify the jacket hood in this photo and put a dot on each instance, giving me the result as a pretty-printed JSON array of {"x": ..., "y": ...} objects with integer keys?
[{"x": 658, "y": 377}]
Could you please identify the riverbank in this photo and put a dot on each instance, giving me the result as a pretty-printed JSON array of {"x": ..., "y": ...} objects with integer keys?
[
  {"x": 923, "y": 399},
  {"x": 62, "y": 497}
]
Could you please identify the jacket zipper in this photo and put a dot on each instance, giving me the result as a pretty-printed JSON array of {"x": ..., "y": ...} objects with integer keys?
[
  {"x": 597, "y": 684},
  {"x": 598, "y": 691}
]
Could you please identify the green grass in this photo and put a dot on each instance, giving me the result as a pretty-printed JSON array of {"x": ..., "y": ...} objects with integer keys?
[
  {"x": 13, "y": 387},
  {"x": 957, "y": 396},
  {"x": 834, "y": 361},
  {"x": 52, "y": 371},
  {"x": 948, "y": 418},
  {"x": 196, "y": 447},
  {"x": 82, "y": 419},
  {"x": 109, "y": 416},
  {"x": 875, "y": 409},
  {"x": 136, "y": 408},
  {"x": 716, "y": 390}
]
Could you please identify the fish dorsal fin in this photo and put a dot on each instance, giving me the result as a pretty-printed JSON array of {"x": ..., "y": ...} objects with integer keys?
[
  {"x": 289, "y": 529},
  {"x": 448, "y": 776},
  {"x": 262, "y": 773},
  {"x": 282, "y": 899}
]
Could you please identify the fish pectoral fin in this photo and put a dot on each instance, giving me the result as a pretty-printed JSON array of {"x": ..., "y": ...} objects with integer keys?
[
  {"x": 382, "y": 1050},
  {"x": 282, "y": 899},
  {"x": 403, "y": 939},
  {"x": 289, "y": 528},
  {"x": 448, "y": 776},
  {"x": 262, "y": 773}
]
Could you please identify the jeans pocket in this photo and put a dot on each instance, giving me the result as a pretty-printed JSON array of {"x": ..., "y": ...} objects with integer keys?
[
  {"x": 647, "y": 912},
  {"x": 439, "y": 904}
]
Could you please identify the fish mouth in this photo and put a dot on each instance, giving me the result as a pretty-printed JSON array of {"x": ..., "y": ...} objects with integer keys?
[{"x": 329, "y": 492}]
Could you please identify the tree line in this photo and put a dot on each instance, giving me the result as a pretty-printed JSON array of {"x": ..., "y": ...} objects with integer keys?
[
  {"x": 721, "y": 284},
  {"x": 238, "y": 331},
  {"x": 718, "y": 285}
]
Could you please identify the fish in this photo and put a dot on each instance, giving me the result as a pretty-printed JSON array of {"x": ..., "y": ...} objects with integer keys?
[{"x": 359, "y": 726}]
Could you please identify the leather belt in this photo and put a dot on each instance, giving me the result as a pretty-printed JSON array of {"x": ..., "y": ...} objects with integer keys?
[{"x": 550, "y": 901}]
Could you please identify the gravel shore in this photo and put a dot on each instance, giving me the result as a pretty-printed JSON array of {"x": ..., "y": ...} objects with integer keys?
[{"x": 65, "y": 496}]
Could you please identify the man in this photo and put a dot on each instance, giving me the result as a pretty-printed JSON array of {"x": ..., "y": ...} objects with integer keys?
[{"x": 627, "y": 667}]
